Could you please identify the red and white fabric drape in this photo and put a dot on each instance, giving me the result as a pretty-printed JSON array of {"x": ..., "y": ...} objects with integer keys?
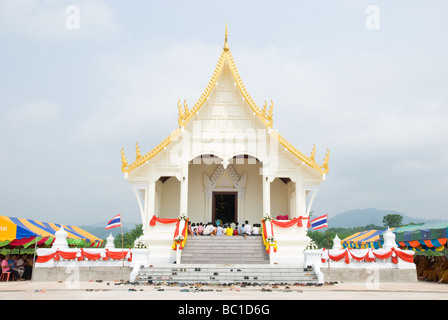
[
  {"x": 82, "y": 254},
  {"x": 155, "y": 219},
  {"x": 268, "y": 233},
  {"x": 180, "y": 237},
  {"x": 289, "y": 223},
  {"x": 366, "y": 255}
]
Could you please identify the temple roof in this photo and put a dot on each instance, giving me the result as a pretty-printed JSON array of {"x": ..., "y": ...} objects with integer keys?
[{"x": 186, "y": 115}]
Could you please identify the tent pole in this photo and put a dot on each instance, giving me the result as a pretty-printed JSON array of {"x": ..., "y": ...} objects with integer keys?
[{"x": 34, "y": 259}]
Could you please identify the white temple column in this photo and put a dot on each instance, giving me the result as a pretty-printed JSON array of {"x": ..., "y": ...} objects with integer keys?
[
  {"x": 266, "y": 195},
  {"x": 300, "y": 201},
  {"x": 310, "y": 202},
  {"x": 150, "y": 203},
  {"x": 184, "y": 190},
  {"x": 300, "y": 196},
  {"x": 140, "y": 194}
]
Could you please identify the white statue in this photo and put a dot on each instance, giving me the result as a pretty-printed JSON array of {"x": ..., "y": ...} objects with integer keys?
[
  {"x": 110, "y": 242},
  {"x": 60, "y": 241},
  {"x": 337, "y": 243},
  {"x": 389, "y": 239}
]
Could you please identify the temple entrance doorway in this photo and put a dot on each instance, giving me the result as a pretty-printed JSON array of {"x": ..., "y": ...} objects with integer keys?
[{"x": 225, "y": 206}]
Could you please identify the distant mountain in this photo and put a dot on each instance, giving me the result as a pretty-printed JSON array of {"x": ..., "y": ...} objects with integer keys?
[
  {"x": 363, "y": 217},
  {"x": 98, "y": 230}
]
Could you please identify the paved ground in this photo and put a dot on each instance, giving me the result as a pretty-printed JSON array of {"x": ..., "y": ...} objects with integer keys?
[{"x": 28, "y": 290}]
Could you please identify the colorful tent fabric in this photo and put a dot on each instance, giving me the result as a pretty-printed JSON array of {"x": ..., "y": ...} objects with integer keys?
[
  {"x": 19, "y": 232},
  {"x": 423, "y": 237},
  {"x": 364, "y": 240}
]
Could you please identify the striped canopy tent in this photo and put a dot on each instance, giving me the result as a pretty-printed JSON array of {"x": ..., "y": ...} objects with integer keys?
[
  {"x": 364, "y": 240},
  {"x": 19, "y": 232},
  {"x": 426, "y": 237}
]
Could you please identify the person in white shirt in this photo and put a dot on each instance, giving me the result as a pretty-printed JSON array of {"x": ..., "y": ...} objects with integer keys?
[
  {"x": 209, "y": 230},
  {"x": 219, "y": 230},
  {"x": 247, "y": 229},
  {"x": 206, "y": 231},
  {"x": 255, "y": 230}
]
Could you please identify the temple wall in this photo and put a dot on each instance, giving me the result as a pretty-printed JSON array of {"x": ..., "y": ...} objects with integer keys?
[
  {"x": 249, "y": 203},
  {"x": 169, "y": 198},
  {"x": 196, "y": 192},
  {"x": 253, "y": 196},
  {"x": 279, "y": 198}
]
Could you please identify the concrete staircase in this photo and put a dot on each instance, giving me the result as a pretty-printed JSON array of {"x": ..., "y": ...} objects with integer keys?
[
  {"x": 224, "y": 250},
  {"x": 211, "y": 259},
  {"x": 220, "y": 273}
]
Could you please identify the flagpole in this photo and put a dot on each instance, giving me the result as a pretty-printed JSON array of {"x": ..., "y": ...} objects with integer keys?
[
  {"x": 328, "y": 242},
  {"x": 122, "y": 246}
]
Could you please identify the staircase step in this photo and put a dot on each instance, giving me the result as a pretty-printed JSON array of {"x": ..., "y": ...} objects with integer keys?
[
  {"x": 217, "y": 249},
  {"x": 216, "y": 259},
  {"x": 225, "y": 273}
]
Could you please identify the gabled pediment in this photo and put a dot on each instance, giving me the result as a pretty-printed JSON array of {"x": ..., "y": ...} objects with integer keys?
[
  {"x": 265, "y": 115},
  {"x": 230, "y": 84},
  {"x": 225, "y": 178}
]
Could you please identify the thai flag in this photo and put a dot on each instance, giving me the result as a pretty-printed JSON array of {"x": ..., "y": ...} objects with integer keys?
[
  {"x": 320, "y": 222},
  {"x": 114, "y": 222}
]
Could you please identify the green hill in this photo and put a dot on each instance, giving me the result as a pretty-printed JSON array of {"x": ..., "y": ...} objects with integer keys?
[{"x": 370, "y": 216}]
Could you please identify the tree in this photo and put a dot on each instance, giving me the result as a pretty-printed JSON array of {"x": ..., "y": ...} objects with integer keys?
[
  {"x": 129, "y": 237},
  {"x": 322, "y": 240},
  {"x": 392, "y": 220}
]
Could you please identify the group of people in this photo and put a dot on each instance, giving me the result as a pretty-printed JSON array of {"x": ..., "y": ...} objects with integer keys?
[
  {"x": 20, "y": 266},
  {"x": 218, "y": 228},
  {"x": 432, "y": 268}
]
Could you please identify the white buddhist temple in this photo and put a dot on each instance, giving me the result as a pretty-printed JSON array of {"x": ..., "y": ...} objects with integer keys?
[{"x": 225, "y": 160}]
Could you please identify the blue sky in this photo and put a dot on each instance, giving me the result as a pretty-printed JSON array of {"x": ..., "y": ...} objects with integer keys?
[{"x": 71, "y": 98}]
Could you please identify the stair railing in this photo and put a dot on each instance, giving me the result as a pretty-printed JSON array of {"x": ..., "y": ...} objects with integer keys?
[
  {"x": 180, "y": 236},
  {"x": 268, "y": 237}
]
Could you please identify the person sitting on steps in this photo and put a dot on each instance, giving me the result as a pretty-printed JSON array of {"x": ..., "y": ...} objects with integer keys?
[
  {"x": 229, "y": 231},
  {"x": 247, "y": 229}
]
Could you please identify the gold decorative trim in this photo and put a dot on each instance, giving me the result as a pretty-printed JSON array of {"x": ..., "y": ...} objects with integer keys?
[
  {"x": 137, "y": 152},
  {"x": 313, "y": 153},
  {"x": 124, "y": 162},
  {"x": 266, "y": 116},
  {"x": 267, "y": 119},
  {"x": 308, "y": 160},
  {"x": 226, "y": 45},
  {"x": 186, "y": 115},
  {"x": 142, "y": 159}
]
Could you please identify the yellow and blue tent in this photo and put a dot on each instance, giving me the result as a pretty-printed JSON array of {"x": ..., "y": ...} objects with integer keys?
[
  {"x": 19, "y": 232},
  {"x": 364, "y": 240}
]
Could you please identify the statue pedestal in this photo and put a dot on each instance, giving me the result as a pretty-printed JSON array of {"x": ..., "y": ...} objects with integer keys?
[
  {"x": 291, "y": 244},
  {"x": 159, "y": 239}
]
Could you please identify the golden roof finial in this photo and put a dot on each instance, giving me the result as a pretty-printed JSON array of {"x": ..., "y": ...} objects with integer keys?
[
  {"x": 124, "y": 162},
  {"x": 313, "y": 154},
  {"x": 137, "y": 151},
  {"x": 226, "y": 45},
  {"x": 326, "y": 161}
]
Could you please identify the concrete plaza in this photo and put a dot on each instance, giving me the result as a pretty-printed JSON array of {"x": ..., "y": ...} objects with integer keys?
[{"x": 116, "y": 290}]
